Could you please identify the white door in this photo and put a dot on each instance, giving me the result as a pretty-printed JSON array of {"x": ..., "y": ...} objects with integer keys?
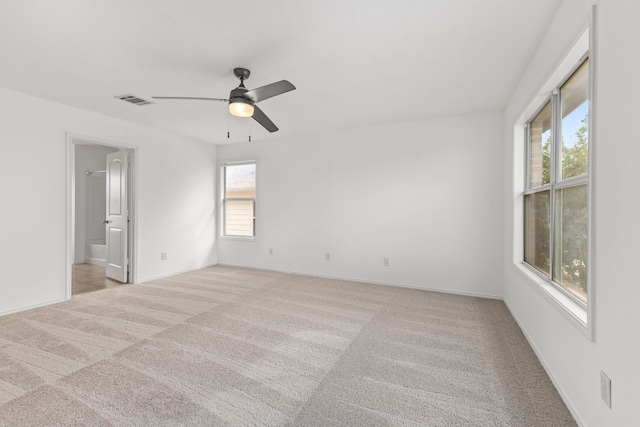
[{"x": 117, "y": 217}]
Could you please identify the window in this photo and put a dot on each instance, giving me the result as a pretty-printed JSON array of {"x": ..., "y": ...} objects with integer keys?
[
  {"x": 556, "y": 214},
  {"x": 239, "y": 199}
]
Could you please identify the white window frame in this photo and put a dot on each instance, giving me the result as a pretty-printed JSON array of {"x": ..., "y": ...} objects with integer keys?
[
  {"x": 223, "y": 200},
  {"x": 579, "y": 314},
  {"x": 557, "y": 182}
]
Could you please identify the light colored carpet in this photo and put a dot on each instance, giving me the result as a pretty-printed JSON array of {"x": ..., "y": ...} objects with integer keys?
[{"x": 239, "y": 347}]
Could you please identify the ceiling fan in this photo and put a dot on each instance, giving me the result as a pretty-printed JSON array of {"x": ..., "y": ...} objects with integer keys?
[{"x": 242, "y": 101}]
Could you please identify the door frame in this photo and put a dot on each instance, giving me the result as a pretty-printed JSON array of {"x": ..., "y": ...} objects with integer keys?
[{"x": 73, "y": 140}]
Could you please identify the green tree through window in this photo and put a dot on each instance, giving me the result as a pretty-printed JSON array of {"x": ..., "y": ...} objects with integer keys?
[
  {"x": 571, "y": 256},
  {"x": 556, "y": 216}
]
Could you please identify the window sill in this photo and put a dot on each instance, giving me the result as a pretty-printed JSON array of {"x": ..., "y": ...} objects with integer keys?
[
  {"x": 576, "y": 313},
  {"x": 239, "y": 238}
]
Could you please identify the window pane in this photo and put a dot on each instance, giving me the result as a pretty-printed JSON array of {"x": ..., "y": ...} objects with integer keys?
[
  {"x": 571, "y": 242},
  {"x": 240, "y": 181},
  {"x": 540, "y": 148},
  {"x": 238, "y": 218},
  {"x": 536, "y": 230},
  {"x": 574, "y": 106}
]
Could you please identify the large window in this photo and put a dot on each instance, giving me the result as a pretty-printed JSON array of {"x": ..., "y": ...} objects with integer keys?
[
  {"x": 556, "y": 214},
  {"x": 239, "y": 199}
]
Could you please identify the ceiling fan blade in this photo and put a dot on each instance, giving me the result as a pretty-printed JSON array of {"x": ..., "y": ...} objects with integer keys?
[
  {"x": 190, "y": 98},
  {"x": 260, "y": 117},
  {"x": 268, "y": 91}
]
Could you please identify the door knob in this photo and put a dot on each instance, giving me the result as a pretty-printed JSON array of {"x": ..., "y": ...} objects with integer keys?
[{"x": 105, "y": 221}]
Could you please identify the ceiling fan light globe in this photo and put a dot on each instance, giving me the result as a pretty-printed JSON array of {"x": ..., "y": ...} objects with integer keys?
[{"x": 241, "y": 109}]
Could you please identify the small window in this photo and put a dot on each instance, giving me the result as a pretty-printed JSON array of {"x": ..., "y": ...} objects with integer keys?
[
  {"x": 239, "y": 199},
  {"x": 556, "y": 216}
]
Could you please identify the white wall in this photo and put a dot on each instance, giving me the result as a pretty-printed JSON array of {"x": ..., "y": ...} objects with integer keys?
[
  {"x": 423, "y": 194},
  {"x": 92, "y": 158},
  {"x": 176, "y": 210},
  {"x": 572, "y": 360}
]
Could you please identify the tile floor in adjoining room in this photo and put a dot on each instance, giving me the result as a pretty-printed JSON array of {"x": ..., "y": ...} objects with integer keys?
[{"x": 89, "y": 278}]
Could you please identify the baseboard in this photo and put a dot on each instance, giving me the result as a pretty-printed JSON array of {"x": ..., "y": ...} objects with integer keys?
[
  {"x": 30, "y": 307},
  {"x": 162, "y": 276},
  {"x": 95, "y": 261},
  {"x": 17, "y": 310},
  {"x": 373, "y": 282},
  {"x": 544, "y": 364}
]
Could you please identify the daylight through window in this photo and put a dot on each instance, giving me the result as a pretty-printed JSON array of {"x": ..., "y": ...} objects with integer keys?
[
  {"x": 239, "y": 199},
  {"x": 556, "y": 217}
]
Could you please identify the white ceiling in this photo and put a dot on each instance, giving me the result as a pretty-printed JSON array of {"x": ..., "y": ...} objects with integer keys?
[{"x": 354, "y": 62}]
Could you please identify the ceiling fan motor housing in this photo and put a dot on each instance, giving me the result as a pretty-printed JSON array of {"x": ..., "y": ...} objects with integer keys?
[
  {"x": 237, "y": 95},
  {"x": 239, "y": 104}
]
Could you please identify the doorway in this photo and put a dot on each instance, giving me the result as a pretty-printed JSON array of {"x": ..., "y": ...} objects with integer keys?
[{"x": 101, "y": 210}]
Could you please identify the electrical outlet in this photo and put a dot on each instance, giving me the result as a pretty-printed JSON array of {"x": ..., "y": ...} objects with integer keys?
[
  {"x": 386, "y": 262},
  {"x": 605, "y": 388},
  {"x": 327, "y": 256},
  {"x": 163, "y": 256},
  {"x": 270, "y": 251}
]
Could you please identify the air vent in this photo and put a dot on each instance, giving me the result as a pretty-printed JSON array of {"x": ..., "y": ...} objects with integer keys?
[{"x": 134, "y": 100}]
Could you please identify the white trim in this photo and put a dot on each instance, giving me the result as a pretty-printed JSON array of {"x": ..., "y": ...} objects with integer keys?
[
  {"x": 31, "y": 307},
  {"x": 70, "y": 231},
  {"x": 568, "y": 63},
  {"x": 239, "y": 238},
  {"x": 563, "y": 395},
  {"x": 373, "y": 282},
  {"x": 175, "y": 273},
  {"x": 221, "y": 199},
  {"x": 73, "y": 140},
  {"x": 247, "y": 161},
  {"x": 573, "y": 311},
  {"x": 579, "y": 316},
  {"x": 591, "y": 196}
]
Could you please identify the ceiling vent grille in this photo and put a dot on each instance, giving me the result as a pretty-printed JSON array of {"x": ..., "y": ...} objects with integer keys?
[{"x": 134, "y": 100}]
